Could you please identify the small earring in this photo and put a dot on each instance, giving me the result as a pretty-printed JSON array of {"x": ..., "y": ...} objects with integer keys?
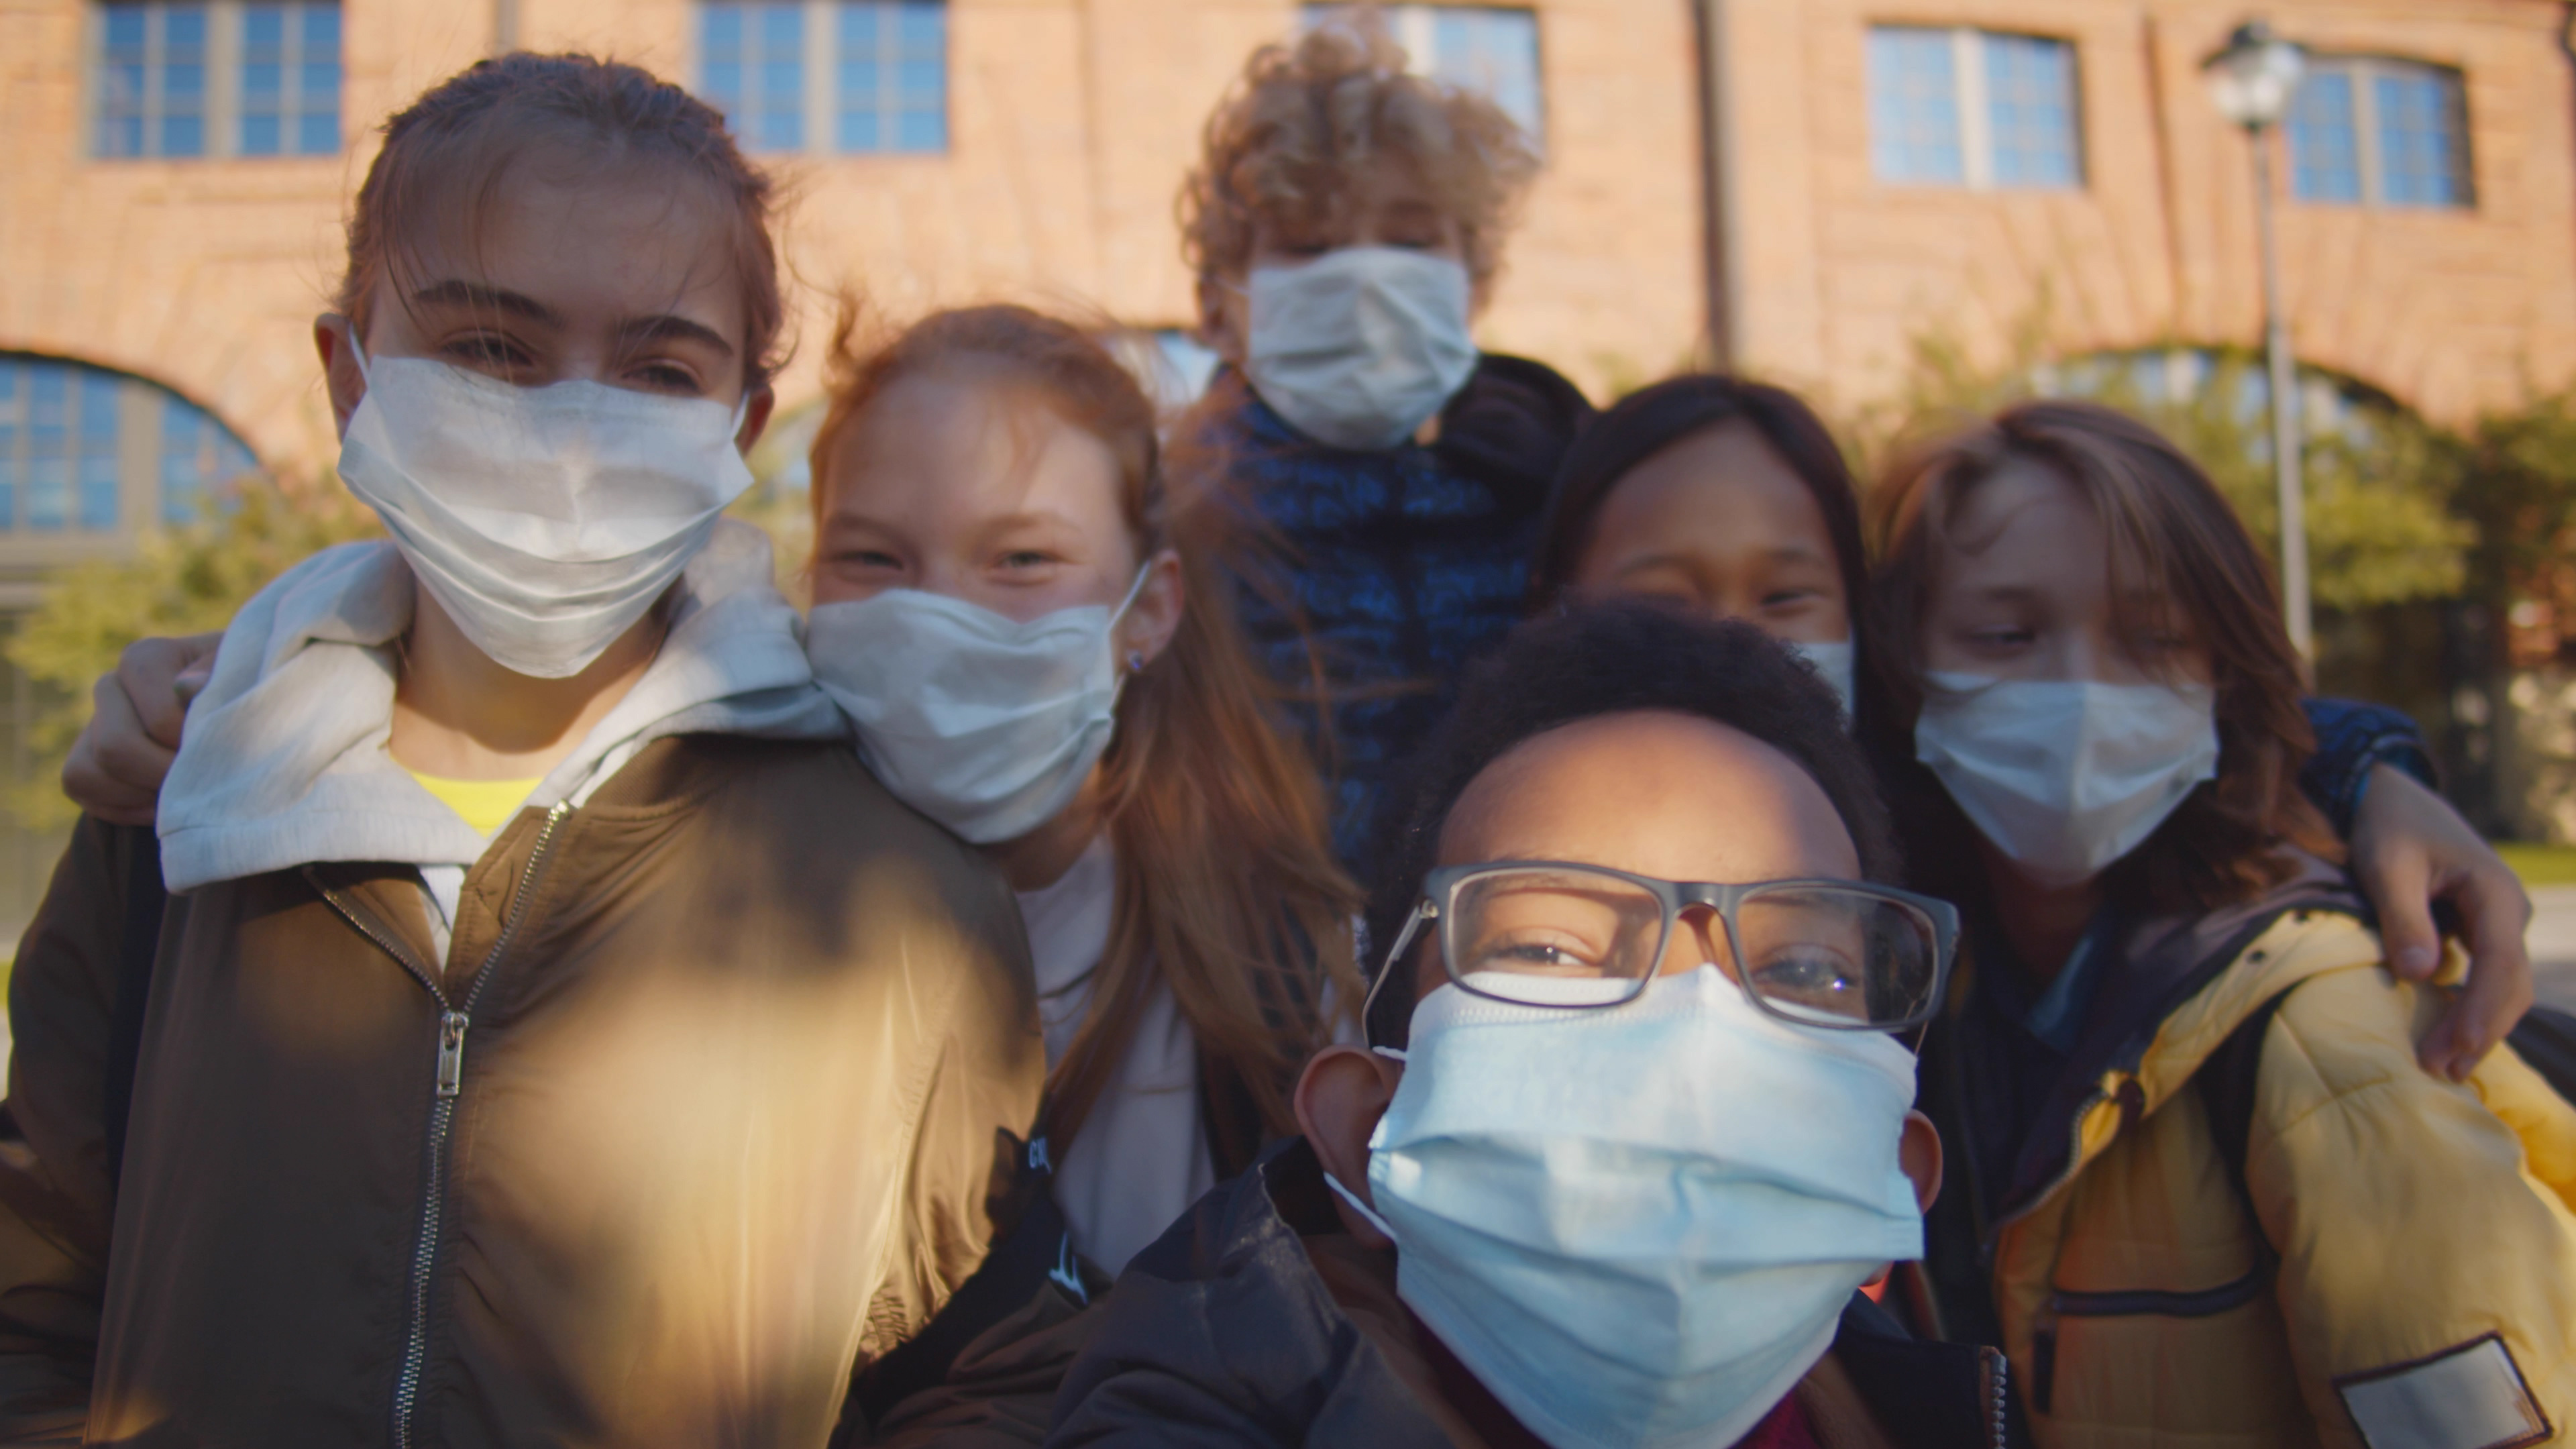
[{"x": 1135, "y": 661}]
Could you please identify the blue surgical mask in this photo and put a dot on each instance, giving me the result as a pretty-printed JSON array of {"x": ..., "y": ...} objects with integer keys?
[{"x": 1639, "y": 1226}]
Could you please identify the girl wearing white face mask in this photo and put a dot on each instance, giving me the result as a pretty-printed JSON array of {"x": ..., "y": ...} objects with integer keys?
[
  {"x": 1015, "y": 612},
  {"x": 2205, "y": 1188},
  {"x": 550, "y": 1032}
]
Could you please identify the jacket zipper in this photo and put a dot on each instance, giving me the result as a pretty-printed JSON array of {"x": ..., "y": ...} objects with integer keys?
[
  {"x": 1995, "y": 1377},
  {"x": 453, "y": 1019}
]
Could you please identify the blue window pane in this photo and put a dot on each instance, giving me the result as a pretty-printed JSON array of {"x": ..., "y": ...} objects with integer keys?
[
  {"x": 2030, "y": 100},
  {"x": 263, "y": 27},
  {"x": 2422, "y": 161},
  {"x": 322, "y": 30},
  {"x": 98, "y": 439},
  {"x": 1494, "y": 51},
  {"x": 259, "y": 134},
  {"x": 318, "y": 135},
  {"x": 2325, "y": 144},
  {"x": 9, "y": 435},
  {"x": 121, "y": 80},
  {"x": 752, "y": 67},
  {"x": 182, "y": 136},
  {"x": 920, "y": 23},
  {"x": 199, "y": 455},
  {"x": 922, "y": 131},
  {"x": 183, "y": 81},
  {"x": 48, "y": 443},
  {"x": 890, "y": 76},
  {"x": 1914, "y": 107}
]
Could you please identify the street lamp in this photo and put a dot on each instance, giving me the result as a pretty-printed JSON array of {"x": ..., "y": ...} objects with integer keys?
[{"x": 2252, "y": 81}]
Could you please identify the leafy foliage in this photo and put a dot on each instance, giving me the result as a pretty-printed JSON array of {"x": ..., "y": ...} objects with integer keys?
[
  {"x": 2379, "y": 481},
  {"x": 186, "y": 580},
  {"x": 2516, "y": 483}
]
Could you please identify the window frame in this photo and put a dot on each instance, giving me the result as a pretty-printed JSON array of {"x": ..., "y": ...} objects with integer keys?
[
  {"x": 2362, "y": 74},
  {"x": 220, "y": 115},
  {"x": 1415, "y": 25},
  {"x": 1972, "y": 100},
  {"x": 819, "y": 108},
  {"x": 115, "y": 476}
]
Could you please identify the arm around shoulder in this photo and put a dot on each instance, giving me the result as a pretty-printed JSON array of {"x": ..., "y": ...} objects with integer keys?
[{"x": 2428, "y": 1250}]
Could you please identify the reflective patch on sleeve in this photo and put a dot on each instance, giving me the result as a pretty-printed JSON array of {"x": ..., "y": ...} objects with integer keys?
[{"x": 2469, "y": 1397}]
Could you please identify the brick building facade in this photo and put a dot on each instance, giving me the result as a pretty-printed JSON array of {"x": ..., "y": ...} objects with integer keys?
[
  {"x": 1746, "y": 219},
  {"x": 1796, "y": 188}
]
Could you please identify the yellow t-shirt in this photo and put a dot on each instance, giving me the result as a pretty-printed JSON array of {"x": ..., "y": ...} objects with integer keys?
[{"x": 487, "y": 805}]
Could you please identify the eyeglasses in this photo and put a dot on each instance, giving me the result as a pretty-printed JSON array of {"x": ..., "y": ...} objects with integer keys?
[{"x": 1839, "y": 955}]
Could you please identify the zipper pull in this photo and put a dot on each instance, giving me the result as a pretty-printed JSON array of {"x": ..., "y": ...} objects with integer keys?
[{"x": 451, "y": 1052}]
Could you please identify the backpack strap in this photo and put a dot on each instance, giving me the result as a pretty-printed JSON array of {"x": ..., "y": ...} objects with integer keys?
[
  {"x": 2545, "y": 1039},
  {"x": 2226, "y": 1085},
  {"x": 1034, "y": 1253},
  {"x": 145, "y": 898}
]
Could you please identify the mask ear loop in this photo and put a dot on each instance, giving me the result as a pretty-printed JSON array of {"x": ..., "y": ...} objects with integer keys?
[
  {"x": 1135, "y": 659},
  {"x": 1367, "y": 1213}
]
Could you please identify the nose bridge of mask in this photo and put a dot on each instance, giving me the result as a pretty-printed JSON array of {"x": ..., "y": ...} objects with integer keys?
[{"x": 1683, "y": 1068}]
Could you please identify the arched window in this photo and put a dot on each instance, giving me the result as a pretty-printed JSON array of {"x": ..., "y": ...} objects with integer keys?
[{"x": 87, "y": 450}]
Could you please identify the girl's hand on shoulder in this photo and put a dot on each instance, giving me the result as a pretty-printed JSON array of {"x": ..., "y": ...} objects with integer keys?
[
  {"x": 2410, "y": 851},
  {"x": 116, "y": 766}
]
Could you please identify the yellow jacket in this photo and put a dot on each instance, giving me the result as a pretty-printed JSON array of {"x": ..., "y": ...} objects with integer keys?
[{"x": 2425, "y": 1290}]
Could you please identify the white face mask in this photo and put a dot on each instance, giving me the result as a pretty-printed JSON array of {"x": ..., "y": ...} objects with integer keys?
[
  {"x": 1834, "y": 662},
  {"x": 1639, "y": 1226},
  {"x": 544, "y": 520},
  {"x": 2066, "y": 776},
  {"x": 1359, "y": 346},
  {"x": 983, "y": 723}
]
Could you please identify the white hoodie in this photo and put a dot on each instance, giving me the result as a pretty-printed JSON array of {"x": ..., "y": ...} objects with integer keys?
[{"x": 284, "y": 761}]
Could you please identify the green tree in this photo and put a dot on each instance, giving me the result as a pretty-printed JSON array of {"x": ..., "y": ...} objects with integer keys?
[
  {"x": 2380, "y": 482},
  {"x": 184, "y": 580}
]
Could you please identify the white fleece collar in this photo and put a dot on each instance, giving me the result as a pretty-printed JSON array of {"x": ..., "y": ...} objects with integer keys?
[{"x": 284, "y": 759}]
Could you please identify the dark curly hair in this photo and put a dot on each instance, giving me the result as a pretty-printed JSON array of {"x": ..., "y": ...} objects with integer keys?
[{"x": 1620, "y": 657}]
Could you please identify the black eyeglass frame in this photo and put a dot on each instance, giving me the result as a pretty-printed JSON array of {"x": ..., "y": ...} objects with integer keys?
[{"x": 1440, "y": 898}]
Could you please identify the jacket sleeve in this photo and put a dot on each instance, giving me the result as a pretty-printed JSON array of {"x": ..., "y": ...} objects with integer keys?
[
  {"x": 981, "y": 1100},
  {"x": 2428, "y": 1254},
  {"x": 1152, "y": 1375},
  {"x": 2352, "y": 739},
  {"x": 55, "y": 1202}
]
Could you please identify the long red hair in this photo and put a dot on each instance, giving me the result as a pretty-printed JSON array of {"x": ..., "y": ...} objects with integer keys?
[{"x": 1227, "y": 888}]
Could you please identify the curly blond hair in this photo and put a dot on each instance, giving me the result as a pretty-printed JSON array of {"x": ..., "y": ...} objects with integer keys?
[{"x": 1303, "y": 119}]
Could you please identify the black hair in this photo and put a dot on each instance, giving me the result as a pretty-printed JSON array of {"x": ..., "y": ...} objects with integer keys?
[
  {"x": 1648, "y": 421},
  {"x": 1619, "y": 657}
]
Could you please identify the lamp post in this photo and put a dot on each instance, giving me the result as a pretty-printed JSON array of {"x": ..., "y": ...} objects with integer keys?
[{"x": 2252, "y": 81}]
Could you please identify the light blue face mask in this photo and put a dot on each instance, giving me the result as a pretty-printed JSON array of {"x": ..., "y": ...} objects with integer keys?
[{"x": 1650, "y": 1240}]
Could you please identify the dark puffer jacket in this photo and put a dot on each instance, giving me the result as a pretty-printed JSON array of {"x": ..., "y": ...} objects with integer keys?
[
  {"x": 1404, "y": 563},
  {"x": 1225, "y": 1332}
]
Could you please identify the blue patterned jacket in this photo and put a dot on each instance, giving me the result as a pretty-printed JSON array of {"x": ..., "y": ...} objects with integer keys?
[{"x": 1403, "y": 564}]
